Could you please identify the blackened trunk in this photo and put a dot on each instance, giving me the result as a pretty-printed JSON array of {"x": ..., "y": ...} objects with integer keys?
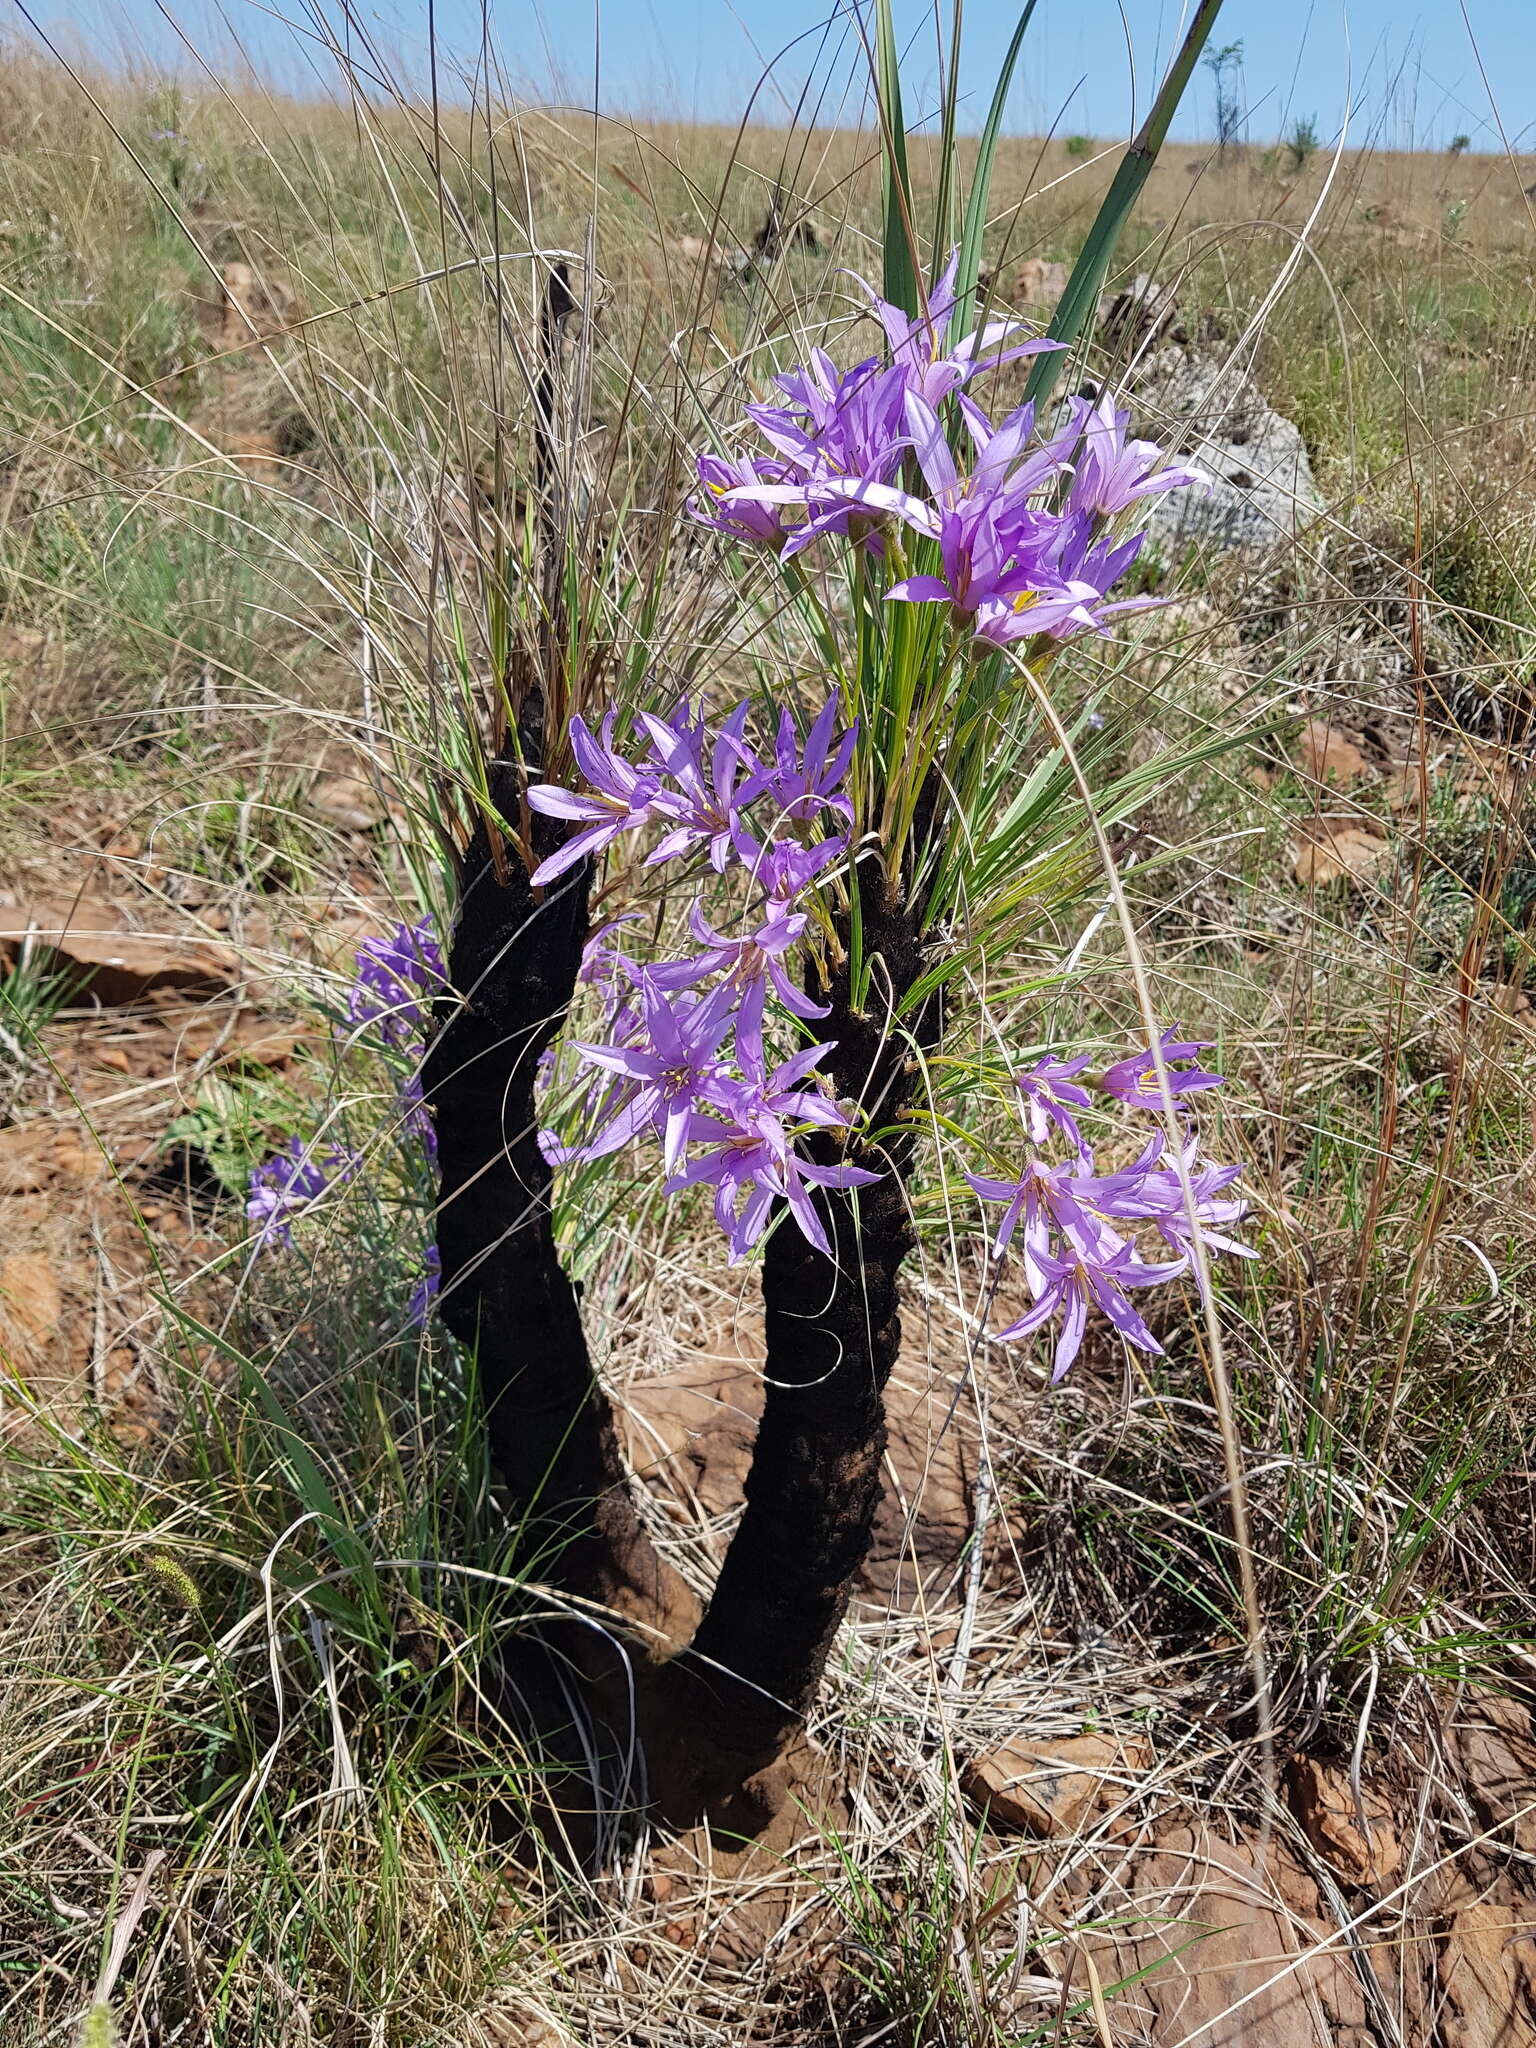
[
  {"x": 505, "y": 1295},
  {"x": 834, "y": 1333}
]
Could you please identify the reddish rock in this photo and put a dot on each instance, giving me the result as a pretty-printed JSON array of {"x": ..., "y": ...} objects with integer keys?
[
  {"x": 348, "y": 801},
  {"x": 1051, "y": 1788},
  {"x": 31, "y": 1307},
  {"x": 689, "y": 1435},
  {"x": 1496, "y": 1748},
  {"x": 1487, "y": 1966},
  {"x": 93, "y": 944},
  {"x": 1325, "y": 754},
  {"x": 33, "y": 1159},
  {"x": 1228, "y": 1951},
  {"x": 1039, "y": 282},
  {"x": 1329, "y": 850},
  {"x": 1324, "y": 1803}
]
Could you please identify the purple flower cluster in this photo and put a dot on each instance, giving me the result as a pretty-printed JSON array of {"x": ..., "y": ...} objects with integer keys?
[
  {"x": 1075, "y": 1226},
  {"x": 700, "y": 787},
  {"x": 1020, "y": 531},
  {"x": 685, "y": 1052},
  {"x": 397, "y": 978},
  {"x": 290, "y": 1182}
]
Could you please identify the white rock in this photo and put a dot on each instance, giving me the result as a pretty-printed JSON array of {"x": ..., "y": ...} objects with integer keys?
[{"x": 1263, "y": 494}]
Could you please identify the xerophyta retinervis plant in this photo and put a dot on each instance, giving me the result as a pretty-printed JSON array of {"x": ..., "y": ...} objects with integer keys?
[{"x": 791, "y": 921}]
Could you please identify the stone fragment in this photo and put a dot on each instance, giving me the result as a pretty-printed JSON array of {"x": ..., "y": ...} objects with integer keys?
[
  {"x": 1229, "y": 1951},
  {"x": 31, "y": 1306},
  {"x": 1039, "y": 283},
  {"x": 1329, "y": 850},
  {"x": 252, "y": 306},
  {"x": 1054, "y": 1787},
  {"x": 347, "y": 801},
  {"x": 689, "y": 1435},
  {"x": 1262, "y": 491},
  {"x": 92, "y": 943},
  {"x": 256, "y": 454},
  {"x": 1496, "y": 1748},
  {"x": 1487, "y": 1966},
  {"x": 34, "y": 1159},
  {"x": 1325, "y": 754},
  {"x": 1137, "y": 315},
  {"x": 1324, "y": 1803}
]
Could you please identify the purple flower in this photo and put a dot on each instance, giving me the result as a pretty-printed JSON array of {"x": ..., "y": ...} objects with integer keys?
[
  {"x": 282, "y": 1187},
  {"x": 1049, "y": 1201},
  {"x": 1073, "y": 1283},
  {"x": 917, "y": 345},
  {"x": 839, "y": 428},
  {"x": 425, "y": 1292},
  {"x": 783, "y": 868},
  {"x": 803, "y": 786},
  {"x": 743, "y": 518},
  {"x": 416, "y": 1119},
  {"x": 1134, "y": 1080},
  {"x": 621, "y": 799},
  {"x": 1153, "y": 1194},
  {"x": 1075, "y": 1259},
  {"x": 1112, "y": 473},
  {"x": 697, "y": 783},
  {"x": 708, "y": 782},
  {"x": 753, "y": 1160},
  {"x": 1008, "y": 570},
  {"x": 1050, "y": 1096},
  {"x": 671, "y": 1071},
  {"x": 396, "y": 978},
  {"x": 750, "y": 965}
]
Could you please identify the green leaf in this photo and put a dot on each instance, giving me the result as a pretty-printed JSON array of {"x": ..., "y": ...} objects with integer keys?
[
  {"x": 308, "y": 1482},
  {"x": 1075, "y": 308},
  {"x": 981, "y": 184},
  {"x": 899, "y": 280}
]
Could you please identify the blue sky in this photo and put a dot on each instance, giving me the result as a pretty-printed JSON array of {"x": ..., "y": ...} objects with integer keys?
[{"x": 1412, "y": 74}]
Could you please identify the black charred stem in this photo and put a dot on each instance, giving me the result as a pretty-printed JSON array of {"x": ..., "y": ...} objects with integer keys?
[
  {"x": 834, "y": 1334},
  {"x": 716, "y": 1719},
  {"x": 505, "y": 1295}
]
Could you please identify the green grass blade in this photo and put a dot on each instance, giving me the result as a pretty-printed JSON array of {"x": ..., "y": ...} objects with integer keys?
[
  {"x": 1077, "y": 302},
  {"x": 899, "y": 283},
  {"x": 981, "y": 184},
  {"x": 944, "y": 198}
]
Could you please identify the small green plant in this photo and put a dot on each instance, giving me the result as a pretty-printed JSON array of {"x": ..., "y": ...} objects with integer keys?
[
  {"x": 918, "y": 1945},
  {"x": 1078, "y": 146},
  {"x": 1226, "y": 68},
  {"x": 1301, "y": 144},
  {"x": 29, "y": 996},
  {"x": 1455, "y": 214},
  {"x": 226, "y": 1130},
  {"x": 1459, "y": 146}
]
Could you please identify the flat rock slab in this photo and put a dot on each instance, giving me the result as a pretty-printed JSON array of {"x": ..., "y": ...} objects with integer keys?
[
  {"x": 1359, "y": 1844},
  {"x": 1486, "y": 1966},
  {"x": 1052, "y": 1787},
  {"x": 1219, "y": 1949},
  {"x": 1496, "y": 1747},
  {"x": 94, "y": 945},
  {"x": 689, "y": 1435}
]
